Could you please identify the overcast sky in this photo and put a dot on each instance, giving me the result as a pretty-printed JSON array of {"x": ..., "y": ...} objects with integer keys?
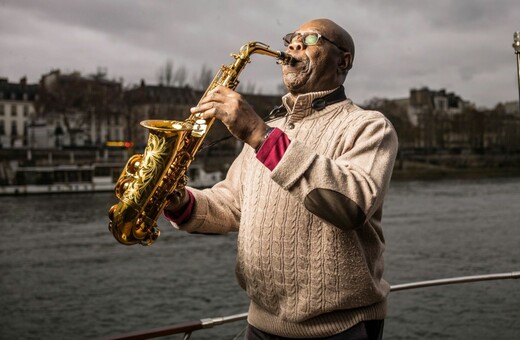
[{"x": 463, "y": 46}]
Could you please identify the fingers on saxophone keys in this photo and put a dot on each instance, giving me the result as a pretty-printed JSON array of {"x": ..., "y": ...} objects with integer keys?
[
  {"x": 198, "y": 115},
  {"x": 197, "y": 111},
  {"x": 205, "y": 111}
]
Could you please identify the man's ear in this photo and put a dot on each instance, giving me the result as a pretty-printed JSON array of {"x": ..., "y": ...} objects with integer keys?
[{"x": 346, "y": 61}]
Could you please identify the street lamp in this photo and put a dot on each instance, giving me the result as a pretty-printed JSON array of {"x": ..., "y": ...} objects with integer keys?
[{"x": 516, "y": 47}]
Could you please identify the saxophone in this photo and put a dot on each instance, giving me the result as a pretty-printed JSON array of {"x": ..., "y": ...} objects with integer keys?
[{"x": 147, "y": 179}]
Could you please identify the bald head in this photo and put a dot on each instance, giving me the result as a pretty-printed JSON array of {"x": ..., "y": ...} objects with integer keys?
[
  {"x": 335, "y": 33},
  {"x": 322, "y": 65}
]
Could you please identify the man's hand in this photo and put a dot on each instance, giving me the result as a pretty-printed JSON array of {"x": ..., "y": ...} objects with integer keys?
[
  {"x": 177, "y": 201},
  {"x": 237, "y": 115}
]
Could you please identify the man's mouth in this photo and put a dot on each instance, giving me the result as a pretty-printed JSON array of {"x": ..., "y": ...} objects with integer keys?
[
  {"x": 289, "y": 60},
  {"x": 293, "y": 61},
  {"x": 296, "y": 64}
]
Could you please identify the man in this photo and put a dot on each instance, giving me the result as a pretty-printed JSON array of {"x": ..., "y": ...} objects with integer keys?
[{"x": 305, "y": 197}]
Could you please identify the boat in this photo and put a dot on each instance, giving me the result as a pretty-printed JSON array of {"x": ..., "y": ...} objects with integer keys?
[
  {"x": 50, "y": 179},
  {"x": 74, "y": 178}
]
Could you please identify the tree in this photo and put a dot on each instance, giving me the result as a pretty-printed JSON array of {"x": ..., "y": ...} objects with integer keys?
[
  {"x": 204, "y": 79},
  {"x": 249, "y": 88},
  {"x": 79, "y": 105},
  {"x": 398, "y": 115},
  {"x": 165, "y": 74},
  {"x": 180, "y": 76}
]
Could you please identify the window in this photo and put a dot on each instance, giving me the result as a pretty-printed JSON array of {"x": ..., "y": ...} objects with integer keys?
[
  {"x": 14, "y": 128},
  {"x": 26, "y": 110},
  {"x": 13, "y": 110},
  {"x": 2, "y": 128},
  {"x": 2, "y": 110}
]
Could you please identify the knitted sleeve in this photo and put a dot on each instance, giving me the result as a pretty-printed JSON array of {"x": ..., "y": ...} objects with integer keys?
[
  {"x": 348, "y": 189},
  {"x": 217, "y": 209}
]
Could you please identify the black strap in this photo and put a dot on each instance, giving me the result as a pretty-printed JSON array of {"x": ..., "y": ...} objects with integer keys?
[
  {"x": 333, "y": 97},
  {"x": 318, "y": 104}
]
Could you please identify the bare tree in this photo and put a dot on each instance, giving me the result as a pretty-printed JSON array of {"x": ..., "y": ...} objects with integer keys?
[
  {"x": 398, "y": 115},
  {"x": 180, "y": 76},
  {"x": 165, "y": 74},
  {"x": 204, "y": 79},
  {"x": 79, "y": 102},
  {"x": 249, "y": 88}
]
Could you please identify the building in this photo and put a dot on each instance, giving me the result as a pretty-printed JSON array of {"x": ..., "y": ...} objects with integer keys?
[
  {"x": 512, "y": 108},
  {"x": 433, "y": 112},
  {"x": 150, "y": 102},
  {"x": 80, "y": 111},
  {"x": 17, "y": 109}
]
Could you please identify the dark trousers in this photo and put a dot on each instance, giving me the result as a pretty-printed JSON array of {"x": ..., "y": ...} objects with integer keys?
[{"x": 367, "y": 330}]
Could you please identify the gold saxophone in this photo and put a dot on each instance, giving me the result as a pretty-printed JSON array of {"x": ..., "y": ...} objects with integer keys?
[{"x": 147, "y": 179}]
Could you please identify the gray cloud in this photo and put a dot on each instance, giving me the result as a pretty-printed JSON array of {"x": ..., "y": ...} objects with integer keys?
[{"x": 461, "y": 45}]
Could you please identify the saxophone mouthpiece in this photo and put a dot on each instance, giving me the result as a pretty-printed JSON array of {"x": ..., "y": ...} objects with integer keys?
[{"x": 286, "y": 59}]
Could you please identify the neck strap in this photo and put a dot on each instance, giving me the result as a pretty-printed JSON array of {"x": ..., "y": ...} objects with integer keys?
[
  {"x": 332, "y": 98},
  {"x": 317, "y": 104}
]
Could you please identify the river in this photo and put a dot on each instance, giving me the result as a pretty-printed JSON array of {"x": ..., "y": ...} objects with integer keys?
[{"x": 63, "y": 275}]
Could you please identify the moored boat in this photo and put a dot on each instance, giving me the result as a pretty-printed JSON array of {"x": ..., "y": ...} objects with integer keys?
[
  {"x": 73, "y": 178},
  {"x": 60, "y": 179}
]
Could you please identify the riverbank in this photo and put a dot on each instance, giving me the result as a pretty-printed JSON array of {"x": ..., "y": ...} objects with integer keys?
[{"x": 421, "y": 171}]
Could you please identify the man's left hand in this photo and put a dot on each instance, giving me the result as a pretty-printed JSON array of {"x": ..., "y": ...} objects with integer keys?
[{"x": 235, "y": 112}]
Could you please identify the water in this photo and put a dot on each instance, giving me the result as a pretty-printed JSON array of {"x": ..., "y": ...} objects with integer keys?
[
  {"x": 63, "y": 276},
  {"x": 447, "y": 229}
]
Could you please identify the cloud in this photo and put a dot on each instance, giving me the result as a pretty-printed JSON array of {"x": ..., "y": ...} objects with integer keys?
[{"x": 461, "y": 45}]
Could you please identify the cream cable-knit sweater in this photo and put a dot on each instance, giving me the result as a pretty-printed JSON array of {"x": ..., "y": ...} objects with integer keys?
[{"x": 310, "y": 239}]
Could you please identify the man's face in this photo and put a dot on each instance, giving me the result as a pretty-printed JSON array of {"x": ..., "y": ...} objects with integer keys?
[{"x": 317, "y": 66}]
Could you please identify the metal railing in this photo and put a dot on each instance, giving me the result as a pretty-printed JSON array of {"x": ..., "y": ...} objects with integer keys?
[{"x": 189, "y": 327}]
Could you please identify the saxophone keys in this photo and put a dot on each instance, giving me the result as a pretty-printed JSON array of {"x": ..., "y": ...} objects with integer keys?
[{"x": 200, "y": 127}]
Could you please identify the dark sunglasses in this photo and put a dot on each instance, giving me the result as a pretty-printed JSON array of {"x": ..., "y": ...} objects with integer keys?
[{"x": 308, "y": 39}]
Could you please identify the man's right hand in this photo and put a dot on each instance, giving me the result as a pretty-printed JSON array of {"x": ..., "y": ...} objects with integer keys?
[{"x": 177, "y": 201}]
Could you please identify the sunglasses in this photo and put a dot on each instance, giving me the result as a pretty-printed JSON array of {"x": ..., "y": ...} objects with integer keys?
[{"x": 308, "y": 39}]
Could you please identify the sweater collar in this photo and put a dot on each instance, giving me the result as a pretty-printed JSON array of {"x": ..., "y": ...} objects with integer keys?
[{"x": 299, "y": 106}]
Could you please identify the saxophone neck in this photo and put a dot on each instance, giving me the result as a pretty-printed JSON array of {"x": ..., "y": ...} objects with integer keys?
[{"x": 260, "y": 48}]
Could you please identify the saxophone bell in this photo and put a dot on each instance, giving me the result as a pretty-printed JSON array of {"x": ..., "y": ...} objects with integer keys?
[{"x": 146, "y": 181}]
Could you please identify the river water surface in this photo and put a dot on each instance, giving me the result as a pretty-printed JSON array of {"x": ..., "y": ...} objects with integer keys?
[{"x": 63, "y": 275}]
